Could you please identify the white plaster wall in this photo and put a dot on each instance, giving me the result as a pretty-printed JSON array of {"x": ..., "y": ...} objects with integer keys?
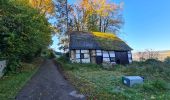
[
  {"x": 105, "y": 54},
  {"x": 112, "y": 53}
]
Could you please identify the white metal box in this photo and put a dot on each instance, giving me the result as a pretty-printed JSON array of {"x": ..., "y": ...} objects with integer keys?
[{"x": 132, "y": 80}]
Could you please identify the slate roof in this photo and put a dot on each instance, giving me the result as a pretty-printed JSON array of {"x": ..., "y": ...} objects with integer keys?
[{"x": 88, "y": 40}]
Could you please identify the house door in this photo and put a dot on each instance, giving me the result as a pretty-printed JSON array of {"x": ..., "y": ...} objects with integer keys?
[
  {"x": 121, "y": 58},
  {"x": 99, "y": 59}
]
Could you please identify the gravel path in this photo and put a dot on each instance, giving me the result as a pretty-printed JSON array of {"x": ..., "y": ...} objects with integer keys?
[{"x": 48, "y": 84}]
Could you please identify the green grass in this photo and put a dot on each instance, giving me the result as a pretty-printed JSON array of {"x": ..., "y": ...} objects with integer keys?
[
  {"x": 11, "y": 84},
  {"x": 98, "y": 83}
]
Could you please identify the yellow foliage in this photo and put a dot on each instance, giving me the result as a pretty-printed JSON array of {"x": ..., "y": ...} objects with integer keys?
[
  {"x": 100, "y": 7},
  {"x": 105, "y": 35},
  {"x": 45, "y": 6}
]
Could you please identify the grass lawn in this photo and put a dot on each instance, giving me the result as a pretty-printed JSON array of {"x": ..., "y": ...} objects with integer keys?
[
  {"x": 101, "y": 84},
  {"x": 10, "y": 84}
]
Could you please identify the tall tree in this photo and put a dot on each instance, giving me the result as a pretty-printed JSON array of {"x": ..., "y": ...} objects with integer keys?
[
  {"x": 62, "y": 9},
  {"x": 88, "y": 15}
]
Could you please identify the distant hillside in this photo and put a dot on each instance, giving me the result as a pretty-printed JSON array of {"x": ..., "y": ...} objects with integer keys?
[
  {"x": 161, "y": 55},
  {"x": 164, "y": 54}
]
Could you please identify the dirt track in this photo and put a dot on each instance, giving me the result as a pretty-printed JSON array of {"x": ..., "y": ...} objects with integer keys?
[{"x": 47, "y": 84}]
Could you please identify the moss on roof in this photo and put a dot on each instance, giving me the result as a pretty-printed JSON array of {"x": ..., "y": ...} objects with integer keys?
[
  {"x": 97, "y": 40},
  {"x": 105, "y": 35}
]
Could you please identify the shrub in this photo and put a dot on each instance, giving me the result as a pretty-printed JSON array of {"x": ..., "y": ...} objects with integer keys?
[
  {"x": 50, "y": 54},
  {"x": 167, "y": 60},
  {"x": 152, "y": 61},
  {"x": 14, "y": 65},
  {"x": 63, "y": 59}
]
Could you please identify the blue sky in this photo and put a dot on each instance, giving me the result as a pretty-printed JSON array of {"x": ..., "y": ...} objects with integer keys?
[{"x": 147, "y": 24}]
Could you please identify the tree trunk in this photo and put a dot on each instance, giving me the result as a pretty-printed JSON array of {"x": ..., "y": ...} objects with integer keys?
[
  {"x": 77, "y": 24},
  {"x": 100, "y": 24},
  {"x": 66, "y": 16},
  {"x": 106, "y": 24}
]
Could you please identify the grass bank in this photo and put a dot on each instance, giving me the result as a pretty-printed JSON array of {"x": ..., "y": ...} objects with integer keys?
[
  {"x": 101, "y": 84},
  {"x": 10, "y": 84}
]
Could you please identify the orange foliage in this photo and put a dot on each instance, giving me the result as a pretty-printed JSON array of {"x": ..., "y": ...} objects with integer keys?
[{"x": 87, "y": 5}]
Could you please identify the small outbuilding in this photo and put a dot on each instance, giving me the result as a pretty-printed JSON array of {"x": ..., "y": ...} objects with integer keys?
[{"x": 97, "y": 47}]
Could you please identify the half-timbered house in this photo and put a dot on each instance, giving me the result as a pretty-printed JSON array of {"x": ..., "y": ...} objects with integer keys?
[{"x": 96, "y": 47}]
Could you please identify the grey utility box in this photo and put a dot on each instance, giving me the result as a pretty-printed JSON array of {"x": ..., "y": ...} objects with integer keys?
[
  {"x": 2, "y": 67},
  {"x": 132, "y": 80}
]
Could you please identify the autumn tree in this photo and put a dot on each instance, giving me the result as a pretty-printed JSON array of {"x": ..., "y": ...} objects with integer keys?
[
  {"x": 44, "y": 6},
  {"x": 96, "y": 15}
]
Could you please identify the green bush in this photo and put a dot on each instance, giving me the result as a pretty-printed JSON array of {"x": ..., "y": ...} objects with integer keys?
[
  {"x": 24, "y": 32},
  {"x": 14, "y": 65},
  {"x": 152, "y": 61},
  {"x": 63, "y": 59}
]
